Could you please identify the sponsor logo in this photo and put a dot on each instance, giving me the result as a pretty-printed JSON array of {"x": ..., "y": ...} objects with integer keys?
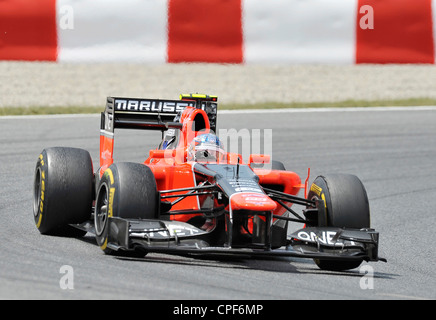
[
  {"x": 244, "y": 185},
  {"x": 257, "y": 199},
  {"x": 151, "y": 105},
  {"x": 315, "y": 189},
  {"x": 171, "y": 230},
  {"x": 323, "y": 237}
]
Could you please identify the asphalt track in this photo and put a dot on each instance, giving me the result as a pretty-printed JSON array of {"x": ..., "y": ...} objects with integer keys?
[{"x": 392, "y": 151}]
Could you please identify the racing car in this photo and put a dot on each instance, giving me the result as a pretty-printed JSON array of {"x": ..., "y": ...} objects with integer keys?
[{"x": 191, "y": 197}]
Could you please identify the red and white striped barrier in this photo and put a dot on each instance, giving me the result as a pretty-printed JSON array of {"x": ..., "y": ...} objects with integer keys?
[{"x": 219, "y": 31}]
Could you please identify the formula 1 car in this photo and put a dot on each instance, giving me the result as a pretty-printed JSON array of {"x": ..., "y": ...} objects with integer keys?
[{"x": 190, "y": 196}]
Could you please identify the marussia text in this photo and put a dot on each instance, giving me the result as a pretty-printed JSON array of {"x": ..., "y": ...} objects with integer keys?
[
  {"x": 165, "y": 106},
  {"x": 222, "y": 309}
]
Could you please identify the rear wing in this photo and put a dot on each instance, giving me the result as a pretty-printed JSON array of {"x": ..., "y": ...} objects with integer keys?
[{"x": 153, "y": 114}]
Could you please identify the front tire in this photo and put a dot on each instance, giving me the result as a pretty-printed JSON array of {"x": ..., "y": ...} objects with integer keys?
[
  {"x": 126, "y": 190},
  {"x": 347, "y": 206}
]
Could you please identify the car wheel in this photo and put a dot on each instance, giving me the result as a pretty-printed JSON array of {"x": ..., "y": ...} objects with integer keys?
[
  {"x": 62, "y": 190},
  {"x": 347, "y": 206},
  {"x": 126, "y": 190}
]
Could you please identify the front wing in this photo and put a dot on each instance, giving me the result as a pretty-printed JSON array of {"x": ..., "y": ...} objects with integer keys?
[{"x": 328, "y": 243}]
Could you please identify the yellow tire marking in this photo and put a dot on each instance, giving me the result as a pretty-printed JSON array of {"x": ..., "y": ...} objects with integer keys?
[
  {"x": 39, "y": 221},
  {"x": 111, "y": 202},
  {"x": 111, "y": 175},
  {"x": 104, "y": 245}
]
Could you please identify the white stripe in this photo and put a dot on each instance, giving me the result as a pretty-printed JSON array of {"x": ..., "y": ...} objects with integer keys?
[
  {"x": 296, "y": 31},
  {"x": 51, "y": 116},
  {"x": 112, "y": 31},
  {"x": 316, "y": 110}
]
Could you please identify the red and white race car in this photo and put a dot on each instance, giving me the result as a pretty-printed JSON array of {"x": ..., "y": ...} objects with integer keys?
[{"x": 190, "y": 196}]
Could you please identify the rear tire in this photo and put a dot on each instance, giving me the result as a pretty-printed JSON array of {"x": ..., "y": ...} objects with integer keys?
[
  {"x": 126, "y": 190},
  {"x": 63, "y": 187},
  {"x": 347, "y": 206}
]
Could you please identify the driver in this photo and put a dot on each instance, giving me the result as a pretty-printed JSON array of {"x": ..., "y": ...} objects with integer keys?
[{"x": 206, "y": 148}]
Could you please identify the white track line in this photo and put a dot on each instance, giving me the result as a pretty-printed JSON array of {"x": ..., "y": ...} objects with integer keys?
[
  {"x": 343, "y": 109},
  {"x": 52, "y": 116}
]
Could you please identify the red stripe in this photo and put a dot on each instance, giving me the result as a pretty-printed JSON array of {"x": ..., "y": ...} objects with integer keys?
[
  {"x": 205, "y": 31},
  {"x": 403, "y": 32},
  {"x": 28, "y": 30}
]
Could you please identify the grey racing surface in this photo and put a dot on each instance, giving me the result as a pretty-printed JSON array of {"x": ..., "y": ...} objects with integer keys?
[{"x": 393, "y": 152}]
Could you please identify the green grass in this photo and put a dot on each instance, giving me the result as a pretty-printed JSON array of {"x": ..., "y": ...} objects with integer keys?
[
  {"x": 340, "y": 104},
  {"x": 43, "y": 110},
  {"x": 20, "y": 111}
]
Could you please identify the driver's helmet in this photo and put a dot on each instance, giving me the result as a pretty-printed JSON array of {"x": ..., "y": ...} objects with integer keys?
[{"x": 206, "y": 147}]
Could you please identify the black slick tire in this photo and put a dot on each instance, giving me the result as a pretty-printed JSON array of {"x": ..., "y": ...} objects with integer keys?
[
  {"x": 126, "y": 190},
  {"x": 62, "y": 190},
  {"x": 347, "y": 206}
]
